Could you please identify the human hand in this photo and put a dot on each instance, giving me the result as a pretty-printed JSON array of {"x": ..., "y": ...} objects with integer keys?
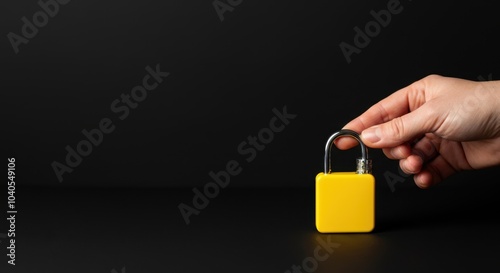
[{"x": 435, "y": 127}]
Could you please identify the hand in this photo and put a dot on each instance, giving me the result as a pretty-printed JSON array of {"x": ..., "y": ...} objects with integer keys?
[{"x": 435, "y": 127}]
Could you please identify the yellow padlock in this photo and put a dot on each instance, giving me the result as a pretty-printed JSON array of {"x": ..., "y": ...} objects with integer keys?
[{"x": 345, "y": 201}]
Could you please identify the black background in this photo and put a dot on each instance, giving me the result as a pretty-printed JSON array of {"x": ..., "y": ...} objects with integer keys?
[{"x": 225, "y": 79}]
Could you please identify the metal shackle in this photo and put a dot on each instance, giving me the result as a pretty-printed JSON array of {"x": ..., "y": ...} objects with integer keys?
[{"x": 363, "y": 164}]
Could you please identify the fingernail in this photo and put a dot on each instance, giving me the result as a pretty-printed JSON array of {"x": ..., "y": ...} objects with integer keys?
[{"x": 371, "y": 134}]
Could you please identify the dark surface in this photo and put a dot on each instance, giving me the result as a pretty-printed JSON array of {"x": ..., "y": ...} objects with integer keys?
[{"x": 449, "y": 228}]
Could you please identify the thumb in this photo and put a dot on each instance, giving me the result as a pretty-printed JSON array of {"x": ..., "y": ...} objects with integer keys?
[{"x": 399, "y": 130}]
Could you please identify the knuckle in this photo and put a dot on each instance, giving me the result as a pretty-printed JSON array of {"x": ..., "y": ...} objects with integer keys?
[
  {"x": 397, "y": 128},
  {"x": 432, "y": 77}
]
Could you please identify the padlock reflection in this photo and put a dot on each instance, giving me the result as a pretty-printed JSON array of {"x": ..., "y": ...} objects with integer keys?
[{"x": 345, "y": 202}]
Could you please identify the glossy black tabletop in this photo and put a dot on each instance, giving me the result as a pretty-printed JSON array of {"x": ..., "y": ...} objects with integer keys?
[{"x": 449, "y": 228}]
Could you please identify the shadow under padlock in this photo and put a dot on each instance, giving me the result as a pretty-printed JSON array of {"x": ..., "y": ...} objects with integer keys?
[{"x": 345, "y": 201}]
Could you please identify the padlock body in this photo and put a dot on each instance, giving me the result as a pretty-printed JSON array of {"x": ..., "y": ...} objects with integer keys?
[{"x": 345, "y": 202}]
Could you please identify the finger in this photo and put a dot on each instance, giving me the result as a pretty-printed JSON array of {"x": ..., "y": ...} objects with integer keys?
[
  {"x": 402, "y": 129},
  {"x": 345, "y": 143},
  {"x": 433, "y": 172},
  {"x": 388, "y": 154},
  {"x": 412, "y": 164},
  {"x": 425, "y": 148},
  {"x": 423, "y": 151},
  {"x": 398, "y": 152},
  {"x": 395, "y": 105}
]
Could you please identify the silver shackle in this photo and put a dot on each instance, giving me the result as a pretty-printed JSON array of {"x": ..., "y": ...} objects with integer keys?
[{"x": 363, "y": 164}]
